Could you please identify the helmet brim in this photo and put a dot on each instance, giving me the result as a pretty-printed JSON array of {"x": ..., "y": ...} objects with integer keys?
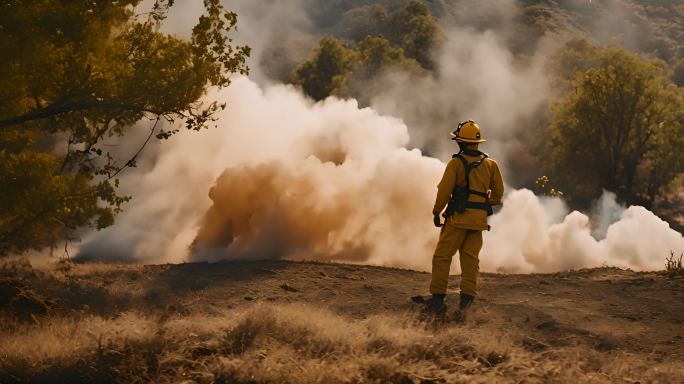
[{"x": 472, "y": 141}]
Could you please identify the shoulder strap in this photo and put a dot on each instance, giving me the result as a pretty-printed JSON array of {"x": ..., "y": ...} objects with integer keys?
[
  {"x": 470, "y": 166},
  {"x": 468, "y": 204},
  {"x": 466, "y": 167}
]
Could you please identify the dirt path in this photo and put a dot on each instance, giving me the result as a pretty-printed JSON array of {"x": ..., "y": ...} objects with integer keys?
[
  {"x": 598, "y": 315},
  {"x": 608, "y": 309}
]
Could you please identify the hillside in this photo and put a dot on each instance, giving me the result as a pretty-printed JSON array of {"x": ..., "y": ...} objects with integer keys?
[
  {"x": 652, "y": 28},
  {"x": 518, "y": 43},
  {"x": 279, "y": 321}
]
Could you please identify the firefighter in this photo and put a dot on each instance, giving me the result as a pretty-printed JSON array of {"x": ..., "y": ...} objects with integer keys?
[{"x": 470, "y": 186}]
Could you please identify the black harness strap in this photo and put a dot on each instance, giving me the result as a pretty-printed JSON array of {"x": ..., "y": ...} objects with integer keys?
[{"x": 485, "y": 206}]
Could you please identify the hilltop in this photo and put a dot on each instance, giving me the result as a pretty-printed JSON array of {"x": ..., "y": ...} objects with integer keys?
[
  {"x": 280, "y": 321},
  {"x": 651, "y": 28}
]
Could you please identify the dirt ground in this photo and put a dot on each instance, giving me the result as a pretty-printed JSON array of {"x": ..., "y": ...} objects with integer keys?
[
  {"x": 613, "y": 315},
  {"x": 605, "y": 308}
]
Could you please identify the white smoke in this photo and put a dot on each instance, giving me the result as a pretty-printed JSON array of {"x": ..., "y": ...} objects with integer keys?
[
  {"x": 332, "y": 181},
  {"x": 605, "y": 212},
  {"x": 533, "y": 234},
  {"x": 279, "y": 32},
  {"x": 292, "y": 179},
  {"x": 478, "y": 78}
]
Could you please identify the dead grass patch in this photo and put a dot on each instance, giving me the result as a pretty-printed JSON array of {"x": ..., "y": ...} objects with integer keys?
[
  {"x": 73, "y": 332},
  {"x": 275, "y": 343},
  {"x": 673, "y": 265}
]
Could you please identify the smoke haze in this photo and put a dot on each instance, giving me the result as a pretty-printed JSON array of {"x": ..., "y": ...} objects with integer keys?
[
  {"x": 478, "y": 78},
  {"x": 283, "y": 177}
]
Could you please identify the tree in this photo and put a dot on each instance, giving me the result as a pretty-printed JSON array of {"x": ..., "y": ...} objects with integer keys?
[
  {"x": 73, "y": 73},
  {"x": 620, "y": 129},
  {"x": 403, "y": 41},
  {"x": 678, "y": 73},
  {"x": 366, "y": 20},
  {"x": 377, "y": 54},
  {"x": 414, "y": 30},
  {"x": 576, "y": 56},
  {"x": 327, "y": 71}
]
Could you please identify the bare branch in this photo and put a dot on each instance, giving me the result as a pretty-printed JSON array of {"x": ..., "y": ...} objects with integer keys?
[{"x": 55, "y": 110}]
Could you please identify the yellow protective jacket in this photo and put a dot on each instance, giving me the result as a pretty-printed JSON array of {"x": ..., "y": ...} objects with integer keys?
[{"x": 485, "y": 177}]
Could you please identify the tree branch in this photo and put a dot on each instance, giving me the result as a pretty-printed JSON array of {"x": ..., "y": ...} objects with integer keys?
[{"x": 54, "y": 110}]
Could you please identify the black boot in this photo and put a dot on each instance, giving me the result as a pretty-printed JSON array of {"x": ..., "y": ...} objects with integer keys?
[
  {"x": 466, "y": 300},
  {"x": 460, "y": 315},
  {"x": 433, "y": 305},
  {"x": 436, "y": 304}
]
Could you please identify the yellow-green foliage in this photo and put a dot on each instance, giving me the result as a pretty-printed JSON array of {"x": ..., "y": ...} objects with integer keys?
[
  {"x": 542, "y": 183},
  {"x": 620, "y": 128},
  {"x": 377, "y": 55},
  {"x": 327, "y": 71},
  {"x": 678, "y": 73},
  {"x": 365, "y": 20},
  {"x": 73, "y": 73},
  {"x": 416, "y": 32},
  {"x": 404, "y": 41}
]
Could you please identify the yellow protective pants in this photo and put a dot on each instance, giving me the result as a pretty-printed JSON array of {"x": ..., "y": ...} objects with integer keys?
[{"x": 468, "y": 243}]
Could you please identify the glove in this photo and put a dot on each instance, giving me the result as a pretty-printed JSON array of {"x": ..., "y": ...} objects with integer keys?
[{"x": 438, "y": 222}]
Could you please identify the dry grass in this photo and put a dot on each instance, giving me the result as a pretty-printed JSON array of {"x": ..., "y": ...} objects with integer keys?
[
  {"x": 673, "y": 265},
  {"x": 107, "y": 324},
  {"x": 273, "y": 343}
]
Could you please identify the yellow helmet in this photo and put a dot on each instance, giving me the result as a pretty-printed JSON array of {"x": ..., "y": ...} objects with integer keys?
[{"x": 467, "y": 132}]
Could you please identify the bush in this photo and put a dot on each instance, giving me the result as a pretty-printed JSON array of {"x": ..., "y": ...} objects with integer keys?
[{"x": 673, "y": 265}]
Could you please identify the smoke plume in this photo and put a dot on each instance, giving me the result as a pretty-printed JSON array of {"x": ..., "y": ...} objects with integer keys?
[
  {"x": 478, "y": 78},
  {"x": 283, "y": 177}
]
